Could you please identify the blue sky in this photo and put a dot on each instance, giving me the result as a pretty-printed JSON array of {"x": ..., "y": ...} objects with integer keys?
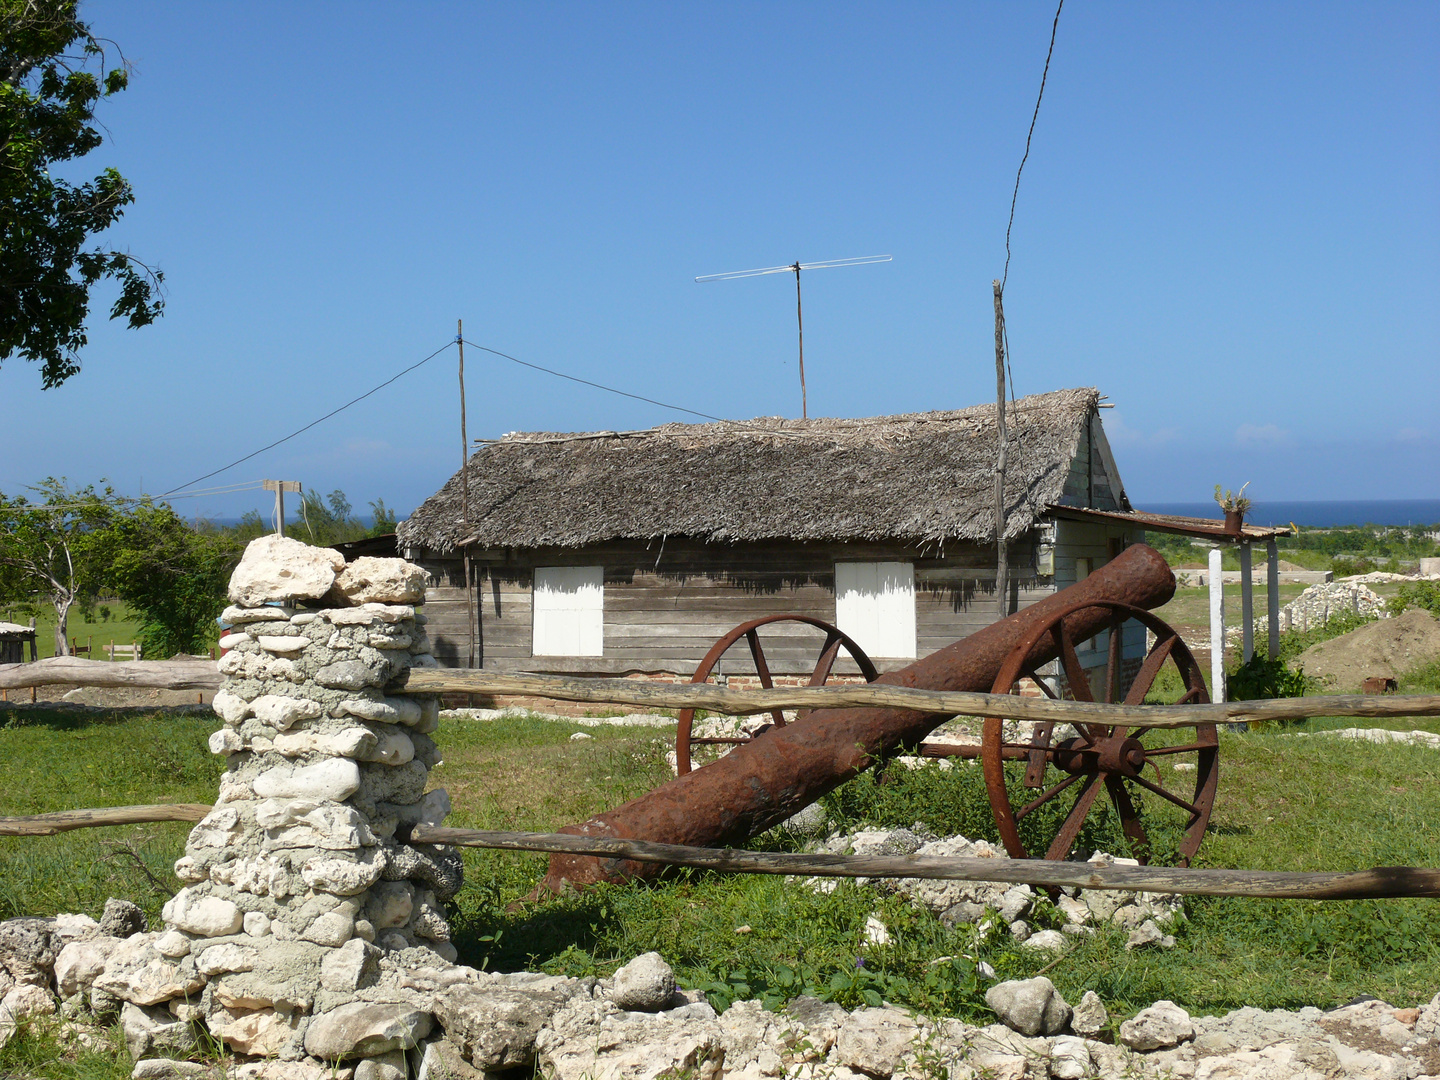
[{"x": 1229, "y": 223}]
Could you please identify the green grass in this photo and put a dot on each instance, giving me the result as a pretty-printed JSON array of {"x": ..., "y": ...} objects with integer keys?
[
  {"x": 110, "y": 621},
  {"x": 1284, "y": 803},
  {"x": 36, "y": 1052},
  {"x": 56, "y": 760},
  {"x": 1190, "y": 608}
]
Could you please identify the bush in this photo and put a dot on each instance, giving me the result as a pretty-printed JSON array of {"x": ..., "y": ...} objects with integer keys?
[
  {"x": 172, "y": 577},
  {"x": 1424, "y": 595},
  {"x": 1262, "y": 677}
]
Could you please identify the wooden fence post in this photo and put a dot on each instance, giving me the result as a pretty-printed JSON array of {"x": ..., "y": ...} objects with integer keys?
[{"x": 1217, "y": 625}]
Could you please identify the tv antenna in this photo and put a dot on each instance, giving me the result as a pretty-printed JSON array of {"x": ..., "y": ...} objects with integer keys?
[{"x": 795, "y": 268}]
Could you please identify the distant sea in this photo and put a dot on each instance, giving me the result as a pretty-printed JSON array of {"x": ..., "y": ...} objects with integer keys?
[{"x": 1318, "y": 514}]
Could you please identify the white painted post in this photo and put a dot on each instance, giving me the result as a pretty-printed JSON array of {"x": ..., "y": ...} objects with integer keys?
[
  {"x": 1247, "y": 604},
  {"x": 1272, "y": 598},
  {"x": 1217, "y": 626}
]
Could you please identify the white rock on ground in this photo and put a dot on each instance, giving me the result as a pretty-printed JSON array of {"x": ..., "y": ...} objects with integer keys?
[
  {"x": 1162, "y": 1025},
  {"x": 1029, "y": 1006},
  {"x": 364, "y": 1029},
  {"x": 1089, "y": 1017},
  {"x": 499, "y": 1022},
  {"x": 874, "y": 1041},
  {"x": 645, "y": 984}
]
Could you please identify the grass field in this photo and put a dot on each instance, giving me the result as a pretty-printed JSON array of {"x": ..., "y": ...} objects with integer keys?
[
  {"x": 1285, "y": 803},
  {"x": 111, "y": 621}
]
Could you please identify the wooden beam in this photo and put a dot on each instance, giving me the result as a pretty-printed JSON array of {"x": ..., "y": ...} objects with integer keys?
[
  {"x": 721, "y": 699},
  {"x": 202, "y": 675},
  {"x": 152, "y": 674},
  {"x": 66, "y": 820},
  {"x": 1381, "y": 882}
]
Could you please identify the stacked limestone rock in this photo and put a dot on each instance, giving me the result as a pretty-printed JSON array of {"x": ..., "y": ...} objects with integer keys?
[{"x": 298, "y": 882}]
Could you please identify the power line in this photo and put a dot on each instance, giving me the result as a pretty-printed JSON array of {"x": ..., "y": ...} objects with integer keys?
[
  {"x": 250, "y": 485},
  {"x": 1016, "y": 193},
  {"x": 184, "y": 490},
  {"x": 312, "y": 423},
  {"x": 596, "y": 385}
]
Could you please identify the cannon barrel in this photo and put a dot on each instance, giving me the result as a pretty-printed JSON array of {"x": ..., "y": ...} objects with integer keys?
[{"x": 763, "y": 782}]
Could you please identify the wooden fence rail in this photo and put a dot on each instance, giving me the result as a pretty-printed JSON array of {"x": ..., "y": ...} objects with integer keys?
[
  {"x": 203, "y": 675},
  {"x": 146, "y": 674},
  {"x": 1381, "y": 882},
  {"x": 65, "y": 820},
  {"x": 721, "y": 699}
]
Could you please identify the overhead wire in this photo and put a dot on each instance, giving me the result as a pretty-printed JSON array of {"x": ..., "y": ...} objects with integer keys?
[
  {"x": 596, "y": 385},
  {"x": 249, "y": 485},
  {"x": 321, "y": 420},
  {"x": 1014, "y": 195},
  {"x": 188, "y": 490}
]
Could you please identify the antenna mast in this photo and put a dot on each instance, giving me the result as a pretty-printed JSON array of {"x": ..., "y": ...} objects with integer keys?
[{"x": 796, "y": 267}]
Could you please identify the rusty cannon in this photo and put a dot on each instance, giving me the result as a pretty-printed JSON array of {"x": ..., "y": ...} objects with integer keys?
[{"x": 767, "y": 778}]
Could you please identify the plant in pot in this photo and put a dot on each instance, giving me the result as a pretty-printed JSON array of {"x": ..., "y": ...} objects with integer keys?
[{"x": 1235, "y": 504}]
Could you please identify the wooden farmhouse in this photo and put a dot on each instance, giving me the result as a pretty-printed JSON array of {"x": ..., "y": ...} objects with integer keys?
[{"x": 630, "y": 553}]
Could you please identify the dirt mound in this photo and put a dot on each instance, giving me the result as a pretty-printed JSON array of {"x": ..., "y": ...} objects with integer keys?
[{"x": 1388, "y": 647}]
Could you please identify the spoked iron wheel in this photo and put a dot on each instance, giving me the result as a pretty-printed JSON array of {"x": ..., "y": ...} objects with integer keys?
[
  {"x": 1127, "y": 766},
  {"x": 835, "y": 640}
]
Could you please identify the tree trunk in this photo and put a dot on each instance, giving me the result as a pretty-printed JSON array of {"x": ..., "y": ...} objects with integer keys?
[{"x": 62, "y": 624}]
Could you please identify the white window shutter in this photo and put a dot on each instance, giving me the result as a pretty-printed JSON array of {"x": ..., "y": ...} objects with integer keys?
[
  {"x": 569, "y": 611},
  {"x": 875, "y": 605}
]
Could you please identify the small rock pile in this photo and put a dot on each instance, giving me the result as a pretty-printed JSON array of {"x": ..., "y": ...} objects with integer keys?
[
  {"x": 1144, "y": 915},
  {"x": 638, "y": 1026},
  {"x": 1315, "y": 605}
]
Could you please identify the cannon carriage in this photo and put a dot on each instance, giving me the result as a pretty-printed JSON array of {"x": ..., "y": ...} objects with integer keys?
[{"x": 1084, "y": 766}]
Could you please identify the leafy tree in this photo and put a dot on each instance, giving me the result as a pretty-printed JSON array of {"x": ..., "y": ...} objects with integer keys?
[
  {"x": 327, "y": 520},
  {"x": 172, "y": 576},
  {"x": 48, "y": 95},
  {"x": 385, "y": 519},
  {"x": 58, "y": 548},
  {"x": 250, "y": 526}
]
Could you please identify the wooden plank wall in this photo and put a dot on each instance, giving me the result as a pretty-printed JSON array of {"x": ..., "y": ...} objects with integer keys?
[
  {"x": 1089, "y": 483},
  {"x": 667, "y": 604}
]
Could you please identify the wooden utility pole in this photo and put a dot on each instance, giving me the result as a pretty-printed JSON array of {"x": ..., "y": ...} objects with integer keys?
[
  {"x": 465, "y": 498},
  {"x": 800, "y": 325},
  {"x": 280, "y": 487},
  {"x": 1002, "y": 561}
]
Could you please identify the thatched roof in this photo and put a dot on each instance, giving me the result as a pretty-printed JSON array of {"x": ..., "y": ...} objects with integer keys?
[{"x": 921, "y": 477}]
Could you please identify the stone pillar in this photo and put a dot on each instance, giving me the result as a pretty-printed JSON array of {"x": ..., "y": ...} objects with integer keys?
[{"x": 296, "y": 887}]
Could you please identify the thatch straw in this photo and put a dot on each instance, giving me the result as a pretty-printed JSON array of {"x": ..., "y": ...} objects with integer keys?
[{"x": 922, "y": 478}]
